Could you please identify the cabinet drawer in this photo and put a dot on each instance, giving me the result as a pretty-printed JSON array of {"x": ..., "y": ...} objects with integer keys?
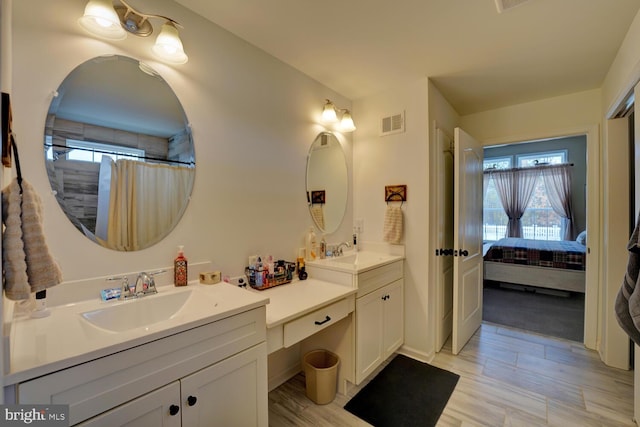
[
  {"x": 305, "y": 326},
  {"x": 94, "y": 387},
  {"x": 369, "y": 281}
]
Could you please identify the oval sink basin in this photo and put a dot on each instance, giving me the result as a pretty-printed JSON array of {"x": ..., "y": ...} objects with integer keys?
[
  {"x": 360, "y": 257},
  {"x": 137, "y": 313}
]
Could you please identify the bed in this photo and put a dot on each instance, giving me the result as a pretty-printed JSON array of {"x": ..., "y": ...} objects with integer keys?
[{"x": 542, "y": 263}]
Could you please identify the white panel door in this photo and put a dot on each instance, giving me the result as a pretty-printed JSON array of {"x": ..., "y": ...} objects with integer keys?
[
  {"x": 444, "y": 221},
  {"x": 467, "y": 239}
]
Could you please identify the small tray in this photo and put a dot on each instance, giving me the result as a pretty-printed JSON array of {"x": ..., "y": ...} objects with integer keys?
[{"x": 282, "y": 276}]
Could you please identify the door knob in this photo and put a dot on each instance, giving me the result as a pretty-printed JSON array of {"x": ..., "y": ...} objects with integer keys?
[
  {"x": 191, "y": 400},
  {"x": 174, "y": 409}
]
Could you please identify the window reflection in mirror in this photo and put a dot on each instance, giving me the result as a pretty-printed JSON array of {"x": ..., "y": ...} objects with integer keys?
[
  {"x": 327, "y": 182},
  {"x": 119, "y": 153}
]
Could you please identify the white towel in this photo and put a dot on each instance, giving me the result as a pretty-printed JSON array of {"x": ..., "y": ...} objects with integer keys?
[
  {"x": 393, "y": 224},
  {"x": 26, "y": 260},
  {"x": 318, "y": 215}
]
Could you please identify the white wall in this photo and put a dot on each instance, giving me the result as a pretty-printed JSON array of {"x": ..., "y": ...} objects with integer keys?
[
  {"x": 398, "y": 159},
  {"x": 253, "y": 119}
]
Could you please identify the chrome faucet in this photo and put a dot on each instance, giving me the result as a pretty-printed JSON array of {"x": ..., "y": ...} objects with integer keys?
[
  {"x": 338, "y": 250},
  {"x": 145, "y": 284}
]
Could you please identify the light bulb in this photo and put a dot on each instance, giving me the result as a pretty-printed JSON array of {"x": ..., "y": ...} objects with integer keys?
[
  {"x": 346, "y": 124},
  {"x": 168, "y": 45},
  {"x": 329, "y": 112},
  {"x": 101, "y": 19}
]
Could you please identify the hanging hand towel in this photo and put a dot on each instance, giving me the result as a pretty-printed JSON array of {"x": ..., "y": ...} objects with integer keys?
[
  {"x": 32, "y": 268},
  {"x": 627, "y": 304},
  {"x": 318, "y": 215},
  {"x": 393, "y": 225},
  {"x": 16, "y": 284}
]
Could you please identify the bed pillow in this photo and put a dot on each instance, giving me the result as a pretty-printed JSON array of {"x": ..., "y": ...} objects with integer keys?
[{"x": 582, "y": 238}]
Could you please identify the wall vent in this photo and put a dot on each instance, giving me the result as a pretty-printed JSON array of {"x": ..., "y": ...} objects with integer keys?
[
  {"x": 392, "y": 124},
  {"x": 503, "y": 5}
]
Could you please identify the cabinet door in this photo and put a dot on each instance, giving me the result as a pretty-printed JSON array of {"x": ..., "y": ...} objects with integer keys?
[
  {"x": 230, "y": 393},
  {"x": 393, "y": 298},
  {"x": 159, "y": 408},
  {"x": 369, "y": 333}
]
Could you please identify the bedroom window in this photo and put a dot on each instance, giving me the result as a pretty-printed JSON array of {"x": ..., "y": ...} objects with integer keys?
[
  {"x": 494, "y": 219},
  {"x": 539, "y": 221},
  {"x": 87, "y": 151}
]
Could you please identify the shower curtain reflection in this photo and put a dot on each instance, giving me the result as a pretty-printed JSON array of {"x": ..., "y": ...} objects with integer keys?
[{"x": 129, "y": 218}]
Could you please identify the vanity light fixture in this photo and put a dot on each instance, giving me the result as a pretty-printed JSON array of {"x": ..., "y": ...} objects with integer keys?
[
  {"x": 330, "y": 115},
  {"x": 105, "y": 20}
]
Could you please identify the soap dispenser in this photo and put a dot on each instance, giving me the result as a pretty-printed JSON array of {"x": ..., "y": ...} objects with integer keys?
[{"x": 180, "y": 268}]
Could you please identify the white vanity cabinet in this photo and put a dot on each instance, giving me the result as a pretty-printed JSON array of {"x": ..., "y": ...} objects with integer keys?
[
  {"x": 224, "y": 394},
  {"x": 379, "y": 308},
  {"x": 379, "y": 327},
  {"x": 211, "y": 375}
]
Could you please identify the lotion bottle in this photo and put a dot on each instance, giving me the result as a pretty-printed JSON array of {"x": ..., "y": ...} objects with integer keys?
[
  {"x": 311, "y": 244},
  {"x": 180, "y": 277}
]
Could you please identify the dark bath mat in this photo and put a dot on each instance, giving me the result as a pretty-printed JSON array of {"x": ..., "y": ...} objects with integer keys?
[{"x": 405, "y": 393}]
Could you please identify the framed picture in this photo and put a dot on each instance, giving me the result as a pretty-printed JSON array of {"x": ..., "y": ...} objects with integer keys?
[
  {"x": 317, "y": 197},
  {"x": 5, "y": 109}
]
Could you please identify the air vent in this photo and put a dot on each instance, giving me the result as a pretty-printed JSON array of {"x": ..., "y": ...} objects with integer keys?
[
  {"x": 392, "y": 124},
  {"x": 503, "y": 5}
]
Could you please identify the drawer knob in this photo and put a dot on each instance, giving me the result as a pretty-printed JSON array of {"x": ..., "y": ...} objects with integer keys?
[
  {"x": 174, "y": 409},
  {"x": 327, "y": 319},
  {"x": 191, "y": 400}
]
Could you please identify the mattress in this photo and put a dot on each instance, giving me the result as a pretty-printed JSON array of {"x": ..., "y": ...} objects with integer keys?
[{"x": 564, "y": 254}]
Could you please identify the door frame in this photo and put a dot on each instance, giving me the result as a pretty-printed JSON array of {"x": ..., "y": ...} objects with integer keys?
[{"x": 593, "y": 217}]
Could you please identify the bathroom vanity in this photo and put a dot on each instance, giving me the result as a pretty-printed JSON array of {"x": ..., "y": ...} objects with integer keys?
[
  {"x": 207, "y": 363},
  {"x": 377, "y": 278}
]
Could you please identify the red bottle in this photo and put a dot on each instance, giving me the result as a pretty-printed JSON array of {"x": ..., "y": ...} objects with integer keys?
[{"x": 180, "y": 277}]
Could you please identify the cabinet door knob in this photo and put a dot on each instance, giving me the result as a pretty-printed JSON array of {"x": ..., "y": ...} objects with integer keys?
[
  {"x": 191, "y": 400},
  {"x": 174, "y": 409}
]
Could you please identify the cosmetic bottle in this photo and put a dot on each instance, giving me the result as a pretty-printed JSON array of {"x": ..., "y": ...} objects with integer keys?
[
  {"x": 180, "y": 277},
  {"x": 323, "y": 248},
  {"x": 259, "y": 273},
  {"x": 311, "y": 245}
]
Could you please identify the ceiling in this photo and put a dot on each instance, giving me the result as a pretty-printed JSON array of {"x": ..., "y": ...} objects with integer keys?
[{"x": 478, "y": 58}]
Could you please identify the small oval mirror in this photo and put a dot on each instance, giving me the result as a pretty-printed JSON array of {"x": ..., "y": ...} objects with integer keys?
[
  {"x": 119, "y": 153},
  {"x": 327, "y": 182}
]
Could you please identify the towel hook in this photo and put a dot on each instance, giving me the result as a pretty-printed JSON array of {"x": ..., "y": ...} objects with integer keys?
[{"x": 17, "y": 159}]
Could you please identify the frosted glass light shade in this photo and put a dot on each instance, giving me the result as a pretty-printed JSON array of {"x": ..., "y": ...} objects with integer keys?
[
  {"x": 101, "y": 19},
  {"x": 346, "y": 124},
  {"x": 329, "y": 113},
  {"x": 168, "y": 45}
]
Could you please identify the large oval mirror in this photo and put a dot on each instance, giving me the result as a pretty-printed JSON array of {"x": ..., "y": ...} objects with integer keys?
[
  {"x": 119, "y": 153},
  {"x": 327, "y": 182}
]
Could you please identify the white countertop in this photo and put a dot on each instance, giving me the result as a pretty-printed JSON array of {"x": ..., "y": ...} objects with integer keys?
[
  {"x": 356, "y": 262},
  {"x": 64, "y": 338},
  {"x": 295, "y": 299}
]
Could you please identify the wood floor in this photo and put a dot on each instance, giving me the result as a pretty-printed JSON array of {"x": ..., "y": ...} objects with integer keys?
[{"x": 507, "y": 378}]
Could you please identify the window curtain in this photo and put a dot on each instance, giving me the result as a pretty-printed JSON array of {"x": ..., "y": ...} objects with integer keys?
[
  {"x": 515, "y": 188},
  {"x": 557, "y": 180},
  {"x": 146, "y": 200}
]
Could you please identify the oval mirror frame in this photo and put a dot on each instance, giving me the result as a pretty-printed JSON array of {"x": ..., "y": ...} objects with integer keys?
[
  {"x": 115, "y": 120},
  {"x": 327, "y": 182}
]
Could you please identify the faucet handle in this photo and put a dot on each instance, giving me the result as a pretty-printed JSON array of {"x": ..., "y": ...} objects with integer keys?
[
  {"x": 145, "y": 284},
  {"x": 125, "y": 287}
]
